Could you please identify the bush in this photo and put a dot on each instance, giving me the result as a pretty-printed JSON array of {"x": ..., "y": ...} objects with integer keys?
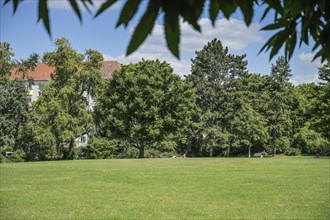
[
  {"x": 323, "y": 148},
  {"x": 4, "y": 159},
  {"x": 100, "y": 148},
  {"x": 292, "y": 152},
  {"x": 18, "y": 156}
]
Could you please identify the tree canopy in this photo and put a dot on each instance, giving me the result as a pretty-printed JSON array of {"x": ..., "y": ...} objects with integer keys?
[
  {"x": 296, "y": 22},
  {"x": 220, "y": 109},
  {"x": 146, "y": 105}
]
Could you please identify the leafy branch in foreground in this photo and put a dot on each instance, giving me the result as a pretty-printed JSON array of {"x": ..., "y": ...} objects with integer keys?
[{"x": 295, "y": 21}]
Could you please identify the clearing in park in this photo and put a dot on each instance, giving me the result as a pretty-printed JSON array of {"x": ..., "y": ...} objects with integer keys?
[{"x": 234, "y": 188}]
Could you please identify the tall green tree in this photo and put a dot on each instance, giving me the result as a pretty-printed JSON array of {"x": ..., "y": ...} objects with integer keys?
[
  {"x": 209, "y": 69},
  {"x": 14, "y": 108},
  {"x": 279, "y": 111},
  {"x": 323, "y": 112},
  {"x": 62, "y": 109},
  {"x": 220, "y": 81},
  {"x": 311, "y": 133},
  {"x": 146, "y": 105}
]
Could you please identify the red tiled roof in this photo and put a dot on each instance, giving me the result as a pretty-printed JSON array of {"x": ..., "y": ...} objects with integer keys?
[
  {"x": 109, "y": 67},
  {"x": 43, "y": 72}
]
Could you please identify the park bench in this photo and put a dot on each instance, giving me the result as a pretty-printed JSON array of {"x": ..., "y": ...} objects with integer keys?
[
  {"x": 257, "y": 155},
  {"x": 260, "y": 154}
]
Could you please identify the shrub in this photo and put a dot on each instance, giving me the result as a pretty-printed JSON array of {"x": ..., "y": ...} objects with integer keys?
[
  {"x": 4, "y": 159},
  {"x": 18, "y": 156},
  {"x": 292, "y": 152},
  {"x": 100, "y": 148}
]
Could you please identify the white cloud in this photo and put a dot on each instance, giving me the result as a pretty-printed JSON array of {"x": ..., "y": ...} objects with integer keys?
[
  {"x": 233, "y": 33},
  {"x": 305, "y": 60},
  {"x": 299, "y": 79}
]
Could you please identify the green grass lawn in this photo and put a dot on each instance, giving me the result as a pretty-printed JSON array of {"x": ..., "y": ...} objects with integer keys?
[{"x": 235, "y": 188}]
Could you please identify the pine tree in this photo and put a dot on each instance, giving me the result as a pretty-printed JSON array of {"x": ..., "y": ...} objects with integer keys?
[{"x": 279, "y": 111}]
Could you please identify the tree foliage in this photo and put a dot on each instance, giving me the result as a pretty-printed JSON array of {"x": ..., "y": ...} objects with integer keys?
[
  {"x": 220, "y": 109},
  {"x": 62, "y": 109},
  {"x": 279, "y": 111},
  {"x": 147, "y": 106},
  {"x": 14, "y": 109},
  {"x": 296, "y": 22},
  {"x": 221, "y": 82}
]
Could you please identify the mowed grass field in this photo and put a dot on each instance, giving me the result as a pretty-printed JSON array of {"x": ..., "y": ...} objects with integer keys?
[{"x": 217, "y": 188}]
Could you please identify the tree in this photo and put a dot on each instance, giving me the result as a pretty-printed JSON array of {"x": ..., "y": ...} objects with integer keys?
[
  {"x": 250, "y": 127},
  {"x": 323, "y": 112},
  {"x": 62, "y": 109},
  {"x": 208, "y": 72},
  {"x": 218, "y": 78},
  {"x": 309, "y": 18},
  {"x": 146, "y": 105},
  {"x": 312, "y": 116},
  {"x": 279, "y": 111},
  {"x": 6, "y": 62},
  {"x": 14, "y": 108}
]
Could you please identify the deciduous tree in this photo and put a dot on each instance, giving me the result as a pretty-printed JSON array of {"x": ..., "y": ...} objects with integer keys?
[{"x": 146, "y": 105}]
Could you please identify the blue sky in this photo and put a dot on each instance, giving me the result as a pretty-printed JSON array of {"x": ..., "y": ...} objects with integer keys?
[{"x": 25, "y": 35}]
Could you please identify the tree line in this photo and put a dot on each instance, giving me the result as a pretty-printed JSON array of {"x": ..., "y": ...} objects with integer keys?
[{"x": 146, "y": 110}]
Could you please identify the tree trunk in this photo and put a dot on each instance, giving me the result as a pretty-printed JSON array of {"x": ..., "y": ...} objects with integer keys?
[
  {"x": 141, "y": 152},
  {"x": 228, "y": 150},
  {"x": 249, "y": 151},
  {"x": 274, "y": 152},
  {"x": 211, "y": 152}
]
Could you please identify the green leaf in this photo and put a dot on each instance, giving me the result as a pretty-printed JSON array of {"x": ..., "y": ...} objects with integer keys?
[
  {"x": 128, "y": 11},
  {"x": 191, "y": 11},
  {"x": 228, "y": 7},
  {"x": 86, "y": 5},
  {"x": 265, "y": 13},
  {"x": 6, "y": 2},
  {"x": 214, "y": 10},
  {"x": 76, "y": 9},
  {"x": 296, "y": 8},
  {"x": 278, "y": 42},
  {"x": 104, "y": 6},
  {"x": 15, "y": 4},
  {"x": 43, "y": 15},
  {"x": 247, "y": 10},
  {"x": 274, "y": 26},
  {"x": 275, "y": 4},
  {"x": 292, "y": 44},
  {"x": 304, "y": 32},
  {"x": 172, "y": 29},
  {"x": 144, "y": 27}
]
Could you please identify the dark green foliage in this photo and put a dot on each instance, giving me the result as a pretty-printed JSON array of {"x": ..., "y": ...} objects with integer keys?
[
  {"x": 293, "y": 152},
  {"x": 100, "y": 148},
  {"x": 313, "y": 115},
  {"x": 223, "y": 94},
  {"x": 14, "y": 109},
  {"x": 148, "y": 111},
  {"x": 147, "y": 106},
  {"x": 311, "y": 142},
  {"x": 6, "y": 63},
  {"x": 279, "y": 109},
  {"x": 308, "y": 18}
]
